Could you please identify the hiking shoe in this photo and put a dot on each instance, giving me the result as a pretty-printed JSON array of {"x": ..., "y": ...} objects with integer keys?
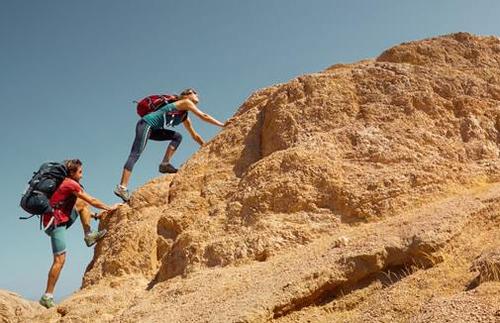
[
  {"x": 167, "y": 168},
  {"x": 92, "y": 237},
  {"x": 47, "y": 302},
  {"x": 122, "y": 192}
]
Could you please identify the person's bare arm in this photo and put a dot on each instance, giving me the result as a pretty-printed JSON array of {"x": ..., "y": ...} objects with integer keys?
[
  {"x": 189, "y": 127},
  {"x": 190, "y": 106},
  {"x": 93, "y": 201},
  {"x": 82, "y": 207}
]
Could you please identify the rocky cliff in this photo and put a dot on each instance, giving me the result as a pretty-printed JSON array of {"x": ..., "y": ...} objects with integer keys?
[{"x": 367, "y": 192}]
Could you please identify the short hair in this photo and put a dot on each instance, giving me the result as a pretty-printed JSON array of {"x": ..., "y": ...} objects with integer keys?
[
  {"x": 188, "y": 91},
  {"x": 72, "y": 165}
]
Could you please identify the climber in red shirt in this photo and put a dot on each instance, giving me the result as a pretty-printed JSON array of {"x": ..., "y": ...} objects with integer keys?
[{"x": 68, "y": 202}]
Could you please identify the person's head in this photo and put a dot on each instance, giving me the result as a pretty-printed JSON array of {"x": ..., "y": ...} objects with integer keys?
[
  {"x": 191, "y": 95},
  {"x": 74, "y": 167}
]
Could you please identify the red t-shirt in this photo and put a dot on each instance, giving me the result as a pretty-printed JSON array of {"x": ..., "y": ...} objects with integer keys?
[{"x": 63, "y": 200}]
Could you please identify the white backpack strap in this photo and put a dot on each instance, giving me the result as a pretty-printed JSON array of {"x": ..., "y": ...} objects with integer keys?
[{"x": 48, "y": 224}]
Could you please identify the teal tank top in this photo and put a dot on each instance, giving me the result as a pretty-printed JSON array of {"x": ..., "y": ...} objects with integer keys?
[{"x": 161, "y": 119}]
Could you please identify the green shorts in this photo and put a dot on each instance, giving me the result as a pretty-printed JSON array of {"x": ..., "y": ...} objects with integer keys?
[{"x": 58, "y": 235}]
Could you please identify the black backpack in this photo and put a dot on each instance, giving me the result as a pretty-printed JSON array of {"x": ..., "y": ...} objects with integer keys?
[{"x": 42, "y": 185}]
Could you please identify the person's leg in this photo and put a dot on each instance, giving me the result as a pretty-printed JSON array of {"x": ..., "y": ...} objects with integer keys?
[
  {"x": 169, "y": 153},
  {"x": 125, "y": 177},
  {"x": 82, "y": 209},
  {"x": 90, "y": 237},
  {"x": 54, "y": 272},
  {"x": 142, "y": 131},
  {"x": 175, "y": 140},
  {"x": 58, "y": 243}
]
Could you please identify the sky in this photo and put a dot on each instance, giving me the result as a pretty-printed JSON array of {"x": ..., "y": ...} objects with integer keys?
[{"x": 69, "y": 71}]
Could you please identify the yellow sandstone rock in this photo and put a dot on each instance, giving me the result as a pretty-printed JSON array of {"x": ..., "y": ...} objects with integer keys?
[{"x": 363, "y": 193}]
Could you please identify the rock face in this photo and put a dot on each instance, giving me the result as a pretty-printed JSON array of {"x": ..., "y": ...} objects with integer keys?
[
  {"x": 15, "y": 309},
  {"x": 366, "y": 192},
  {"x": 132, "y": 245},
  {"x": 488, "y": 265}
]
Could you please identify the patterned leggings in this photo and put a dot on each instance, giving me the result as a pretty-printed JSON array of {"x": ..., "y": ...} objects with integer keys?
[{"x": 143, "y": 132}]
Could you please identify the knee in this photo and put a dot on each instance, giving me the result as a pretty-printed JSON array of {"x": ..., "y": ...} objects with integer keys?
[
  {"x": 81, "y": 205},
  {"x": 177, "y": 137}
]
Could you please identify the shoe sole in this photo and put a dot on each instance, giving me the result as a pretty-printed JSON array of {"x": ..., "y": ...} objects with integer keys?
[
  {"x": 45, "y": 305},
  {"x": 168, "y": 169},
  {"x": 123, "y": 199}
]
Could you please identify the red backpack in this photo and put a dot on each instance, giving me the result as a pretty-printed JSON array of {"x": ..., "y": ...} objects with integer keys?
[{"x": 154, "y": 102}]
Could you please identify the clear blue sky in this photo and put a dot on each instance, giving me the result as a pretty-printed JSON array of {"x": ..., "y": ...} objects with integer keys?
[{"x": 71, "y": 69}]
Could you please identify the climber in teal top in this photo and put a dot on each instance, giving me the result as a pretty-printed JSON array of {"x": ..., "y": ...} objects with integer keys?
[{"x": 154, "y": 126}]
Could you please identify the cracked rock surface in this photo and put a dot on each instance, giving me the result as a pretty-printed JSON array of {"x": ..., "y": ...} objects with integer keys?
[{"x": 367, "y": 192}]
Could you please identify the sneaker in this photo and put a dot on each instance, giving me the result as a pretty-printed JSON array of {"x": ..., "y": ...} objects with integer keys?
[
  {"x": 167, "y": 168},
  {"x": 47, "y": 302},
  {"x": 92, "y": 237},
  {"x": 122, "y": 192}
]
